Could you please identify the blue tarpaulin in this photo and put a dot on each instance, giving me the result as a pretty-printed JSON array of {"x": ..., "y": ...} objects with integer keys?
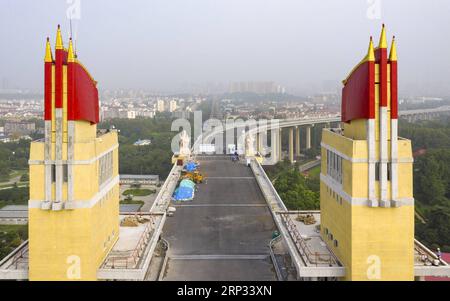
[
  {"x": 183, "y": 194},
  {"x": 191, "y": 166},
  {"x": 187, "y": 183}
]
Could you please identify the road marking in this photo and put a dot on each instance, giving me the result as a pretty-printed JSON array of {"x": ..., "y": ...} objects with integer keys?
[
  {"x": 230, "y": 178},
  {"x": 221, "y": 205},
  {"x": 219, "y": 257}
]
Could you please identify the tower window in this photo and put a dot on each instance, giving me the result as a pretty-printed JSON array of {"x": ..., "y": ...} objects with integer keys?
[
  {"x": 334, "y": 166},
  {"x": 64, "y": 170},
  {"x": 377, "y": 171},
  {"x": 65, "y": 173},
  {"x": 389, "y": 171},
  {"x": 105, "y": 167},
  {"x": 328, "y": 161},
  {"x": 53, "y": 173}
]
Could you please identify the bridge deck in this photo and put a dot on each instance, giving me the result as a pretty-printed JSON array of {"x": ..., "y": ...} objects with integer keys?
[{"x": 224, "y": 233}]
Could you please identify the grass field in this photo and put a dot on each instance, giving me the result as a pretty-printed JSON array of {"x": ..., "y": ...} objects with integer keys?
[
  {"x": 21, "y": 184},
  {"x": 139, "y": 192},
  {"x": 132, "y": 202},
  {"x": 315, "y": 172},
  {"x": 7, "y": 181},
  {"x": 14, "y": 196}
]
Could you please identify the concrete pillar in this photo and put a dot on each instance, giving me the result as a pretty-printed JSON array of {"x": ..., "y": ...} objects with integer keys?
[
  {"x": 257, "y": 141},
  {"x": 274, "y": 144},
  {"x": 262, "y": 142},
  {"x": 280, "y": 145},
  {"x": 297, "y": 141},
  {"x": 308, "y": 137},
  {"x": 291, "y": 145}
]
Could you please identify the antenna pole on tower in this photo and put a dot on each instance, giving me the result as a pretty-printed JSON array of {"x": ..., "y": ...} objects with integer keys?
[{"x": 70, "y": 21}]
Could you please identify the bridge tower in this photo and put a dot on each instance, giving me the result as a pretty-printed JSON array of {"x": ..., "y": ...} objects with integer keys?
[
  {"x": 367, "y": 205},
  {"x": 74, "y": 183}
]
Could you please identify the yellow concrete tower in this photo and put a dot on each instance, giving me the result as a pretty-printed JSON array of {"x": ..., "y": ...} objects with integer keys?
[
  {"x": 367, "y": 205},
  {"x": 74, "y": 182}
]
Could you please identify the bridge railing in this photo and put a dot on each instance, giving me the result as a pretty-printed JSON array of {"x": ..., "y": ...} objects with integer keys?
[
  {"x": 131, "y": 261},
  {"x": 273, "y": 257},
  {"x": 164, "y": 189},
  {"x": 314, "y": 258},
  {"x": 260, "y": 170}
]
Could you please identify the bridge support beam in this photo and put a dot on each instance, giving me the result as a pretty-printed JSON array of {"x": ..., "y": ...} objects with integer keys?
[
  {"x": 291, "y": 145},
  {"x": 259, "y": 142},
  {"x": 280, "y": 145},
  {"x": 297, "y": 141},
  {"x": 274, "y": 144},
  {"x": 308, "y": 137}
]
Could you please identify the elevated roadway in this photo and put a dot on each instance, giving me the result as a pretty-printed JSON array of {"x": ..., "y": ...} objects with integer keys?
[{"x": 224, "y": 233}]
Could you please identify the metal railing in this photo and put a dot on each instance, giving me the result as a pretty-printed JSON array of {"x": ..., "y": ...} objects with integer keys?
[
  {"x": 425, "y": 255},
  {"x": 272, "y": 189},
  {"x": 163, "y": 190},
  {"x": 131, "y": 261},
  {"x": 13, "y": 259},
  {"x": 313, "y": 258},
  {"x": 166, "y": 244},
  {"x": 22, "y": 254},
  {"x": 274, "y": 259}
]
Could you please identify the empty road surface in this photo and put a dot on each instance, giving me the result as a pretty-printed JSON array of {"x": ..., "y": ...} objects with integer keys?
[{"x": 224, "y": 233}]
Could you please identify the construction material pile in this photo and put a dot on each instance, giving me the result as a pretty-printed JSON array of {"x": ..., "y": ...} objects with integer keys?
[
  {"x": 307, "y": 219},
  {"x": 191, "y": 172},
  {"x": 185, "y": 191},
  {"x": 191, "y": 166},
  {"x": 133, "y": 221},
  {"x": 190, "y": 177}
]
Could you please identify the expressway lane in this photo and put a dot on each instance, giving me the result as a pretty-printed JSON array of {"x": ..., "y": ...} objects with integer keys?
[{"x": 224, "y": 233}]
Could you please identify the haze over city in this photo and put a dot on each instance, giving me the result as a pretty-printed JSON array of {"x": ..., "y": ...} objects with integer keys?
[
  {"x": 234, "y": 143},
  {"x": 170, "y": 46}
]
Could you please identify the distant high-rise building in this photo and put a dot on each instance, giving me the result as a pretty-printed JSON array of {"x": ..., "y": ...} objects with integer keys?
[
  {"x": 131, "y": 114},
  {"x": 160, "y": 107},
  {"x": 172, "y": 106},
  {"x": 256, "y": 87},
  {"x": 366, "y": 192},
  {"x": 74, "y": 182}
]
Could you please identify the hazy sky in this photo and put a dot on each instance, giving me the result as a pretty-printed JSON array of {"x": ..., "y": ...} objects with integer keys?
[{"x": 165, "y": 44}]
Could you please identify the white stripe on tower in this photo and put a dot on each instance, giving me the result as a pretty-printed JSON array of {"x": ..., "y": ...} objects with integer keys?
[
  {"x": 394, "y": 164},
  {"x": 373, "y": 202},
  {"x": 383, "y": 157},
  {"x": 70, "y": 159},
  {"x": 48, "y": 160},
  {"x": 59, "y": 167}
]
